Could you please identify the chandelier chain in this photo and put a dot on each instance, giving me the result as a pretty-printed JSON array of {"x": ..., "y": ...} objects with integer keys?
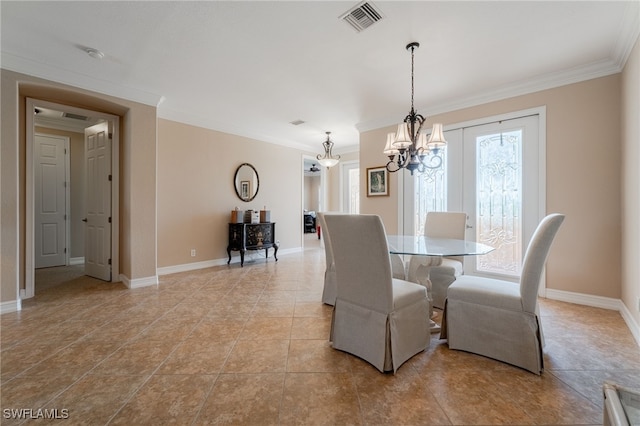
[{"x": 412, "y": 47}]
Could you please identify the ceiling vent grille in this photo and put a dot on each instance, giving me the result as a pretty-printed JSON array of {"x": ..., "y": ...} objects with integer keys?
[
  {"x": 362, "y": 16},
  {"x": 75, "y": 116}
]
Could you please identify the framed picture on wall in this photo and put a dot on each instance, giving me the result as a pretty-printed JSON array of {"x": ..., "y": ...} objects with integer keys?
[
  {"x": 245, "y": 189},
  {"x": 377, "y": 181}
]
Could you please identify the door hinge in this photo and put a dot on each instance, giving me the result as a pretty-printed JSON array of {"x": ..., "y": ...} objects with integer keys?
[
  {"x": 65, "y": 217},
  {"x": 65, "y": 250},
  {"x": 64, "y": 183},
  {"x": 110, "y": 135},
  {"x": 110, "y": 178},
  {"x": 109, "y": 262},
  {"x": 109, "y": 219}
]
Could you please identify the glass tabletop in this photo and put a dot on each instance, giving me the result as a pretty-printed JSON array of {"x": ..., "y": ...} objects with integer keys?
[{"x": 426, "y": 246}]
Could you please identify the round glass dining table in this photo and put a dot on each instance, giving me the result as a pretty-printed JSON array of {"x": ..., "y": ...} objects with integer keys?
[{"x": 428, "y": 246}]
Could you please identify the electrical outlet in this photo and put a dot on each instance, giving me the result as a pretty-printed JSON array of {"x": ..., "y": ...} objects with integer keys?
[{"x": 193, "y": 252}]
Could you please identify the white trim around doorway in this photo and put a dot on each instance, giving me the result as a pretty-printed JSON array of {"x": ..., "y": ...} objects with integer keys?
[{"x": 29, "y": 290}]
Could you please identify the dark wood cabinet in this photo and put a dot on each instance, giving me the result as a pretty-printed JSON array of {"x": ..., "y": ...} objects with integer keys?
[{"x": 252, "y": 236}]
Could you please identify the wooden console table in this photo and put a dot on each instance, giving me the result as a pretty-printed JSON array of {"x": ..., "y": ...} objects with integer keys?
[{"x": 252, "y": 236}]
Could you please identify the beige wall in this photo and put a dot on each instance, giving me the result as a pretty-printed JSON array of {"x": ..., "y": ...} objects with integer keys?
[
  {"x": 583, "y": 182},
  {"x": 137, "y": 176},
  {"x": 631, "y": 184},
  {"x": 196, "y": 167},
  {"x": 76, "y": 188},
  {"x": 585, "y": 124}
]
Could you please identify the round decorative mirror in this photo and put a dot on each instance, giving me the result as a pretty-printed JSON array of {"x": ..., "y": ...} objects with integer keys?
[{"x": 246, "y": 182}]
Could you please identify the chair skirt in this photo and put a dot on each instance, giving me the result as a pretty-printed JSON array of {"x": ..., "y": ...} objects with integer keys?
[
  {"x": 386, "y": 341},
  {"x": 506, "y": 335}
]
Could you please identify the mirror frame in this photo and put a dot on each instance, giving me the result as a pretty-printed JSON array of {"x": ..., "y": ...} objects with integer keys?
[{"x": 236, "y": 184}]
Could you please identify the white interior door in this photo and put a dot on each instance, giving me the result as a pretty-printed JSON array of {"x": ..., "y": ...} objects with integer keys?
[
  {"x": 98, "y": 198},
  {"x": 50, "y": 200}
]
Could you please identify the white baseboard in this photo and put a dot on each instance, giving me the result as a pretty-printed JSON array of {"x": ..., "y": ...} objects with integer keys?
[
  {"x": 584, "y": 299},
  {"x": 10, "y": 306},
  {"x": 76, "y": 261},
  {"x": 190, "y": 266},
  {"x": 165, "y": 270},
  {"x": 139, "y": 282},
  {"x": 631, "y": 322},
  {"x": 598, "y": 302}
]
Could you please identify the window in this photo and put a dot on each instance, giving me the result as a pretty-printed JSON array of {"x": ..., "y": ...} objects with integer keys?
[{"x": 350, "y": 175}]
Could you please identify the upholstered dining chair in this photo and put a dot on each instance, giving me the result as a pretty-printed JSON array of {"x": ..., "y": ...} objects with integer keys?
[
  {"x": 329, "y": 289},
  {"x": 383, "y": 320},
  {"x": 499, "y": 319},
  {"x": 441, "y": 272}
]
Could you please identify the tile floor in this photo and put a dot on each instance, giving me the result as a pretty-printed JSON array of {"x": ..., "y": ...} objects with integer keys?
[{"x": 249, "y": 345}]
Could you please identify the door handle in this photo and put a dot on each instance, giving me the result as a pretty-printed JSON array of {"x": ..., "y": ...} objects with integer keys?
[{"x": 84, "y": 220}]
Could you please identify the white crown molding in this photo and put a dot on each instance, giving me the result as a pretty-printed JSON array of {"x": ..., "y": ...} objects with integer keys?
[
  {"x": 629, "y": 34},
  {"x": 37, "y": 69},
  {"x": 207, "y": 123},
  {"x": 544, "y": 82}
]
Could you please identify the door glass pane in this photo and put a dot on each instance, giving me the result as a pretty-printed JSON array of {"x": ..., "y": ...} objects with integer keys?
[
  {"x": 430, "y": 193},
  {"x": 499, "y": 201}
]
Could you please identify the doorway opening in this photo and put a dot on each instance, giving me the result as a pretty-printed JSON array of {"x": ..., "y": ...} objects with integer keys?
[
  {"x": 313, "y": 200},
  {"x": 68, "y": 152}
]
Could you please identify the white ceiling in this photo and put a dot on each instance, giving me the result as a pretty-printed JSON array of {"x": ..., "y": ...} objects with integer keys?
[{"x": 252, "y": 67}]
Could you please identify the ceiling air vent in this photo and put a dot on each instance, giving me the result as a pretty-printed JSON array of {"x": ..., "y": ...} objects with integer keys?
[
  {"x": 362, "y": 16},
  {"x": 75, "y": 116}
]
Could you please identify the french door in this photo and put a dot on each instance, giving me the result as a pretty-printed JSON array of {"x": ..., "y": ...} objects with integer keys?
[
  {"x": 494, "y": 172},
  {"x": 500, "y": 193}
]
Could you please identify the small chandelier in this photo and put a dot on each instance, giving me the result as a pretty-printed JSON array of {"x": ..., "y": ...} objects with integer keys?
[
  {"x": 328, "y": 159},
  {"x": 411, "y": 146}
]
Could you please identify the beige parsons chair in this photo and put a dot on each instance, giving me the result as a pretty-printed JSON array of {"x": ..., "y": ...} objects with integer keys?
[
  {"x": 441, "y": 272},
  {"x": 383, "y": 320},
  {"x": 499, "y": 319},
  {"x": 329, "y": 290}
]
